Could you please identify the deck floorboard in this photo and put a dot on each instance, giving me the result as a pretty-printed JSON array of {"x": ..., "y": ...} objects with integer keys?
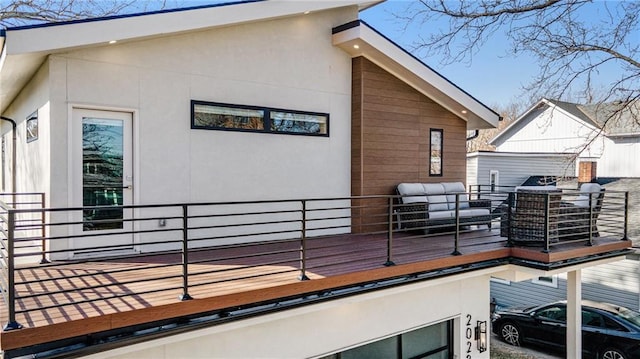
[{"x": 104, "y": 294}]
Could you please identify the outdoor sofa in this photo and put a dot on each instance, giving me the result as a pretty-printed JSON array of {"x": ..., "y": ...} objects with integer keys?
[
  {"x": 568, "y": 219},
  {"x": 430, "y": 206},
  {"x": 576, "y": 216}
]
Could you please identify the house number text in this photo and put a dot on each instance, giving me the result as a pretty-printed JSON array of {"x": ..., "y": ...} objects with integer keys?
[{"x": 469, "y": 336}]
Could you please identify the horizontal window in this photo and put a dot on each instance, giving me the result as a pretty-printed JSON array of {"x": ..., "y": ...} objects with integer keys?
[{"x": 218, "y": 116}]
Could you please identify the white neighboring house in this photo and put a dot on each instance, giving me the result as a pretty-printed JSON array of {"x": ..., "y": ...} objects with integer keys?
[
  {"x": 507, "y": 169},
  {"x": 594, "y": 134}
]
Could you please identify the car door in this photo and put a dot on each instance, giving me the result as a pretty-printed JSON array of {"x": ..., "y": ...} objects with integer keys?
[
  {"x": 549, "y": 325},
  {"x": 593, "y": 329}
]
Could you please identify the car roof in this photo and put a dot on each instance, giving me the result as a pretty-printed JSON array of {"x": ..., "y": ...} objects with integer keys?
[{"x": 608, "y": 307}]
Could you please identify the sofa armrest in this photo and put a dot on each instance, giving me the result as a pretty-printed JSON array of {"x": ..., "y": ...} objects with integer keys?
[
  {"x": 480, "y": 203},
  {"x": 411, "y": 215}
]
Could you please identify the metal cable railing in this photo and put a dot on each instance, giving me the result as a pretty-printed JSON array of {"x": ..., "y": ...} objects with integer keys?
[{"x": 92, "y": 259}]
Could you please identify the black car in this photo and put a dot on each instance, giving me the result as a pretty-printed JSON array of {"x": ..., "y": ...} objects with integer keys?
[{"x": 608, "y": 331}]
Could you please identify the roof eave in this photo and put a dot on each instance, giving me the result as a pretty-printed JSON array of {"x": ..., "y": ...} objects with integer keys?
[
  {"x": 392, "y": 58},
  {"x": 26, "y": 48},
  {"x": 517, "y": 120}
]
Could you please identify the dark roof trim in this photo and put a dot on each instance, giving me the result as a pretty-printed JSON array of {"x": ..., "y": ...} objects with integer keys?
[
  {"x": 569, "y": 262},
  {"x": 347, "y": 26},
  {"x": 356, "y": 23},
  {"x": 123, "y": 16}
]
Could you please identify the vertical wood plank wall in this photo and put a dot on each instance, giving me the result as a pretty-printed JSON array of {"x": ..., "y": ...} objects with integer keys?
[
  {"x": 390, "y": 133},
  {"x": 390, "y": 139}
]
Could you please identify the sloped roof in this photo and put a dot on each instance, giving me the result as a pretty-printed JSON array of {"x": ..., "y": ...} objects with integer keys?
[
  {"x": 359, "y": 39},
  {"x": 25, "y": 48},
  {"x": 615, "y": 119},
  {"x": 574, "y": 110}
]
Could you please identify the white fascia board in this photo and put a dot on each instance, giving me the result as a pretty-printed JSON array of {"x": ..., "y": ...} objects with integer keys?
[
  {"x": 401, "y": 64},
  {"x": 60, "y": 37},
  {"x": 517, "y": 120},
  {"x": 26, "y": 48}
]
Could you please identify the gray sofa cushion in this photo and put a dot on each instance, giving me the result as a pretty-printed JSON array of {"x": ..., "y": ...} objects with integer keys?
[
  {"x": 586, "y": 190},
  {"x": 456, "y": 187},
  {"x": 442, "y": 214},
  {"x": 436, "y": 197},
  {"x": 412, "y": 193},
  {"x": 474, "y": 212}
]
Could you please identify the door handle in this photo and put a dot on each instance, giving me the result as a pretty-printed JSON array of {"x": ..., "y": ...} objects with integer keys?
[{"x": 127, "y": 187}]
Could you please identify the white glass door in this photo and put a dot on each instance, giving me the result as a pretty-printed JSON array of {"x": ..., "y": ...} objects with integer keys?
[{"x": 103, "y": 181}]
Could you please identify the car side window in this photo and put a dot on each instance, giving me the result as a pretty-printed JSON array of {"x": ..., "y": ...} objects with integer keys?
[
  {"x": 553, "y": 313},
  {"x": 592, "y": 319},
  {"x": 612, "y": 324}
]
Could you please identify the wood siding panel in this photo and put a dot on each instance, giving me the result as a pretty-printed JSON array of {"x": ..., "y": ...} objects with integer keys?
[{"x": 391, "y": 121}]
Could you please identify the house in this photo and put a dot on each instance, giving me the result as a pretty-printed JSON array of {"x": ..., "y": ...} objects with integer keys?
[
  {"x": 603, "y": 145},
  {"x": 604, "y": 139},
  {"x": 219, "y": 182},
  {"x": 616, "y": 283},
  {"x": 504, "y": 170}
]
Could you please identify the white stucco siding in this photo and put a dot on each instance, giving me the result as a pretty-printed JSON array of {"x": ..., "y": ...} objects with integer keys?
[
  {"x": 550, "y": 131},
  {"x": 286, "y": 63},
  {"x": 32, "y": 166},
  {"x": 334, "y": 326}
]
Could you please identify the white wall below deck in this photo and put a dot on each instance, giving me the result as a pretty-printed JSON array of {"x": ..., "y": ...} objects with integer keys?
[{"x": 334, "y": 326}]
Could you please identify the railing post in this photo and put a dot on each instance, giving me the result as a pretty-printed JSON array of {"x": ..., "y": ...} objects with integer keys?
[
  {"x": 456, "y": 252},
  {"x": 546, "y": 222},
  {"x": 510, "y": 229},
  {"x": 11, "y": 282},
  {"x": 590, "y": 243},
  {"x": 303, "y": 244},
  {"x": 43, "y": 231},
  {"x": 389, "y": 261},
  {"x": 185, "y": 253},
  {"x": 626, "y": 216}
]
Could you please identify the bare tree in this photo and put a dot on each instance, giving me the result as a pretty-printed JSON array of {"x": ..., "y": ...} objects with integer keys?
[
  {"x": 509, "y": 113},
  {"x": 25, "y": 12},
  {"x": 572, "y": 40}
]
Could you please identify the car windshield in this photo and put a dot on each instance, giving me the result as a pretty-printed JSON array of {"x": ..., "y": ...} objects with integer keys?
[{"x": 630, "y": 315}]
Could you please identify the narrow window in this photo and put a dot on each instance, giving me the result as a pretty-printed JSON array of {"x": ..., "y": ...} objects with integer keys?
[
  {"x": 219, "y": 116},
  {"x": 435, "y": 153},
  {"x": 215, "y": 116},
  {"x": 494, "y": 179}
]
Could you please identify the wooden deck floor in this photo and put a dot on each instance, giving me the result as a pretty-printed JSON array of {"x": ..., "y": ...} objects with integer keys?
[{"x": 63, "y": 300}]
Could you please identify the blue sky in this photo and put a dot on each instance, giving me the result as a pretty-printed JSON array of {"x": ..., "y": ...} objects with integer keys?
[
  {"x": 495, "y": 76},
  {"x": 492, "y": 76}
]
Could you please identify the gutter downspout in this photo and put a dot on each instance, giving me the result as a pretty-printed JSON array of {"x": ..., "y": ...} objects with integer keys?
[
  {"x": 476, "y": 134},
  {"x": 13, "y": 158}
]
